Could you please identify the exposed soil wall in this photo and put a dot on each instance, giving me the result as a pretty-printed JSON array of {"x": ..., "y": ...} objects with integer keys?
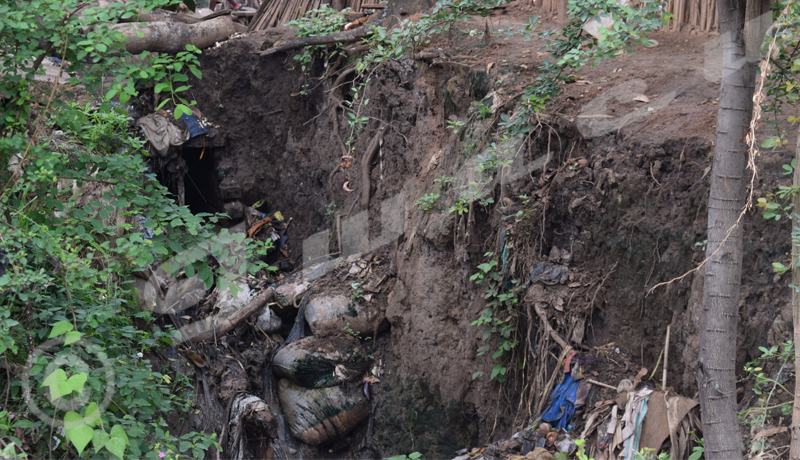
[{"x": 630, "y": 207}]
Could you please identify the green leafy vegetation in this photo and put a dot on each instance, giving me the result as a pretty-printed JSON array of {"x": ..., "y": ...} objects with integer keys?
[
  {"x": 498, "y": 320},
  {"x": 322, "y": 21},
  {"x": 81, "y": 213},
  {"x": 765, "y": 386},
  {"x": 427, "y": 201}
]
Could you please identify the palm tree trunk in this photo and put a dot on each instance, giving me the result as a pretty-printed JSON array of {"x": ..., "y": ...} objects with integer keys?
[{"x": 716, "y": 369}]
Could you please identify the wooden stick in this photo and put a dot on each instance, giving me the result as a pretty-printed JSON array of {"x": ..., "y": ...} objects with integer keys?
[
  {"x": 600, "y": 384},
  {"x": 666, "y": 361},
  {"x": 235, "y": 319},
  {"x": 373, "y": 148},
  {"x": 259, "y": 18}
]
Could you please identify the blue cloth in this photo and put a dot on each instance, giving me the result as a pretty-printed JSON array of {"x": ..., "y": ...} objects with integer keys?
[
  {"x": 562, "y": 403},
  {"x": 633, "y": 442},
  {"x": 195, "y": 127}
]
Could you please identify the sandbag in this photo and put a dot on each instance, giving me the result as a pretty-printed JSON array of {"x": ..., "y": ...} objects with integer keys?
[
  {"x": 317, "y": 363},
  {"x": 287, "y": 293},
  {"x": 330, "y": 315},
  {"x": 318, "y": 416}
]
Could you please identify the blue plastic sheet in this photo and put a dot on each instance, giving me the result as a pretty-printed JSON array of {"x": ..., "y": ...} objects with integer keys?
[
  {"x": 195, "y": 127},
  {"x": 562, "y": 403}
]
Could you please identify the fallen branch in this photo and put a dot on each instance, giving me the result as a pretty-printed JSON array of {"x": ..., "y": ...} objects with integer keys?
[
  {"x": 373, "y": 149},
  {"x": 339, "y": 37},
  {"x": 237, "y": 317}
]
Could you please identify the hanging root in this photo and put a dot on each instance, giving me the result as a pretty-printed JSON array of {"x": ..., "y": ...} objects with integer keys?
[{"x": 373, "y": 148}]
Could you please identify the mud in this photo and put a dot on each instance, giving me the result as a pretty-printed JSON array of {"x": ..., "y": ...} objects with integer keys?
[{"x": 629, "y": 205}]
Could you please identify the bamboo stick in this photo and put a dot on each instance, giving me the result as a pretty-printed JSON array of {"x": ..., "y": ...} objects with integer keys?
[{"x": 666, "y": 361}]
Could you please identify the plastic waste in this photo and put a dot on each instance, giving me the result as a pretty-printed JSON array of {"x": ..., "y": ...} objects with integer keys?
[
  {"x": 549, "y": 273},
  {"x": 268, "y": 321},
  {"x": 194, "y": 126}
]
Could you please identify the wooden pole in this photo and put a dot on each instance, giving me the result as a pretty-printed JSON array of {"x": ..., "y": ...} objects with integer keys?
[{"x": 666, "y": 362}]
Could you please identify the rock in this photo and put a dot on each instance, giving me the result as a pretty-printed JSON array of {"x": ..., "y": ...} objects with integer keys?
[
  {"x": 317, "y": 363},
  {"x": 269, "y": 322},
  {"x": 287, "y": 294},
  {"x": 318, "y": 416},
  {"x": 329, "y": 315}
]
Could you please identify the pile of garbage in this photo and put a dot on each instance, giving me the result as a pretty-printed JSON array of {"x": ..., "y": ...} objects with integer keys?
[
  {"x": 305, "y": 375},
  {"x": 613, "y": 421}
]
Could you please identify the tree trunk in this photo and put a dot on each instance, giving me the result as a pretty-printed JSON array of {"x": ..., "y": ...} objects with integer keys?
[
  {"x": 172, "y": 37},
  {"x": 563, "y": 18},
  {"x": 794, "y": 452},
  {"x": 716, "y": 368}
]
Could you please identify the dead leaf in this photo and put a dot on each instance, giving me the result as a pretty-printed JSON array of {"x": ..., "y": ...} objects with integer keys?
[
  {"x": 770, "y": 432},
  {"x": 196, "y": 359},
  {"x": 346, "y": 161},
  {"x": 641, "y": 98},
  {"x": 371, "y": 380},
  {"x": 639, "y": 376},
  {"x": 489, "y": 66}
]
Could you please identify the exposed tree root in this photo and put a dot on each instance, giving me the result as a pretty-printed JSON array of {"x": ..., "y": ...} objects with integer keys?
[{"x": 369, "y": 155}]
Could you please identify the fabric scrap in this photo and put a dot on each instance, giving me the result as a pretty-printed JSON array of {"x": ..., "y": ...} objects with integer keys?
[{"x": 161, "y": 133}]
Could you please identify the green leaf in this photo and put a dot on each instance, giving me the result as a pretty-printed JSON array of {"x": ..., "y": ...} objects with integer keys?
[
  {"x": 76, "y": 382},
  {"x": 99, "y": 439},
  {"x": 163, "y": 86},
  {"x": 92, "y": 416},
  {"x": 118, "y": 432},
  {"x": 60, "y": 328},
  {"x": 71, "y": 337},
  {"x": 116, "y": 446},
  {"x": 56, "y": 381},
  {"x": 77, "y": 432}
]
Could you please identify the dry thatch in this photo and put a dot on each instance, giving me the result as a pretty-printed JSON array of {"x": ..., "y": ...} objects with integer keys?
[
  {"x": 692, "y": 14},
  {"x": 273, "y": 13}
]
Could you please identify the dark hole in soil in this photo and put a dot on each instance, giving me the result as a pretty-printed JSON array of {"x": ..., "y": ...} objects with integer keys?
[{"x": 201, "y": 181}]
